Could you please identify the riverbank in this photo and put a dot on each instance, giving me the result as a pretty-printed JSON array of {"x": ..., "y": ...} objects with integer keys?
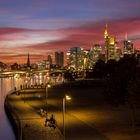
[
  {"x": 86, "y": 114},
  {"x": 26, "y": 120}
]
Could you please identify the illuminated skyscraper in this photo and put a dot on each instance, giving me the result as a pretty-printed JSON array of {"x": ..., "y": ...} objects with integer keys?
[
  {"x": 128, "y": 46},
  {"x": 75, "y": 58},
  {"x": 111, "y": 48},
  {"x": 95, "y": 53},
  {"x": 117, "y": 52},
  {"x": 106, "y": 32}
]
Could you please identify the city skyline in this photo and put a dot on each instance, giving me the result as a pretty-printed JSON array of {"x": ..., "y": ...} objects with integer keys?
[{"x": 44, "y": 27}]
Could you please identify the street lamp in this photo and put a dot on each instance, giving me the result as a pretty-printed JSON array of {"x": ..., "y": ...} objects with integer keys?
[
  {"x": 66, "y": 97},
  {"x": 24, "y": 91},
  {"x": 48, "y": 86}
]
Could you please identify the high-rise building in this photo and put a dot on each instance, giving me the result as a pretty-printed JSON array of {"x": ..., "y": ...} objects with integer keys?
[
  {"x": 87, "y": 61},
  {"x": 117, "y": 52},
  {"x": 128, "y": 46},
  {"x": 50, "y": 59},
  {"x": 59, "y": 58},
  {"x": 95, "y": 53},
  {"x": 75, "y": 58},
  {"x": 111, "y": 48}
]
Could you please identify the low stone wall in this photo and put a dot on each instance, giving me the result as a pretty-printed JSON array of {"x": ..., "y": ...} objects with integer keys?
[
  {"x": 26, "y": 121},
  {"x": 13, "y": 118}
]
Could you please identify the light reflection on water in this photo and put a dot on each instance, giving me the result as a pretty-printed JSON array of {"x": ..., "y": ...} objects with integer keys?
[
  {"x": 7, "y": 85},
  {"x": 6, "y": 132}
]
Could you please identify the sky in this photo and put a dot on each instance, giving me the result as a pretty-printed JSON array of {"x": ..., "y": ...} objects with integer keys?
[{"x": 41, "y": 27}]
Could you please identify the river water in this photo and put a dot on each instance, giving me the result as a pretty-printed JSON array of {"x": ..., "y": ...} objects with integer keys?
[
  {"x": 7, "y": 85},
  {"x": 6, "y": 131}
]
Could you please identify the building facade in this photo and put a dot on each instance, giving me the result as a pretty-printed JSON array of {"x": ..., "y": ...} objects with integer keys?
[
  {"x": 128, "y": 47},
  {"x": 95, "y": 53},
  {"x": 112, "y": 51},
  {"x": 59, "y": 59},
  {"x": 75, "y": 58}
]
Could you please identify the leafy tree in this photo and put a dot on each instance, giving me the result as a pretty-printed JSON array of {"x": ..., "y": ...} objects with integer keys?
[
  {"x": 99, "y": 69},
  {"x": 123, "y": 84},
  {"x": 110, "y": 67},
  {"x": 68, "y": 75},
  {"x": 14, "y": 66},
  {"x": 134, "y": 96}
]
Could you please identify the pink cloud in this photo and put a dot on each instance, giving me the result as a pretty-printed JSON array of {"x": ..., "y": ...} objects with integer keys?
[{"x": 91, "y": 32}]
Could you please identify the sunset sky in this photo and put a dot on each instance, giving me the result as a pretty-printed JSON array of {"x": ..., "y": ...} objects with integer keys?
[{"x": 41, "y": 27}]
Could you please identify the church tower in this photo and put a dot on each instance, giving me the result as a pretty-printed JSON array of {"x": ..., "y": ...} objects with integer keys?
[{"x": 28, "y": 61}]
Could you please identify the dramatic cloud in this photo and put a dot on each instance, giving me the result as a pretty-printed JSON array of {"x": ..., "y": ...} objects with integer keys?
[{"x": 41, "y": 27}]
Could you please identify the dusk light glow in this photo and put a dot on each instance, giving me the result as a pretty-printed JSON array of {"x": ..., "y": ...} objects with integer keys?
[{"x": 41, "y": 27}]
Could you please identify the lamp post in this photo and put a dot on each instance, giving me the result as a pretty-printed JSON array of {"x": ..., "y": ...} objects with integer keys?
[
  {"x": 48, "y": 86},
  {"x": 66, "y": 97},
  {"x": 24, "y": 92}
]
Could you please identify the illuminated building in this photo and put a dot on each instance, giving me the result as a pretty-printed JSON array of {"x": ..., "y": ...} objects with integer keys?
[
  {"x": 95, "y": 53},
  {"x": 44, "y": 64},
  {"x": 128, "y": 46},
  {"x": 59, "y": 58},
  {"x": 75, "y": 58},
  {"x": 86, "y": 60},
  {"x": 117, "y": 52},
  {"x": 111, "y": 48}
]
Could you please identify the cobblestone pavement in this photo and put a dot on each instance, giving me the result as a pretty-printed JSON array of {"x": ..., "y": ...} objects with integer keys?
[{"x": 32, "y": 123}]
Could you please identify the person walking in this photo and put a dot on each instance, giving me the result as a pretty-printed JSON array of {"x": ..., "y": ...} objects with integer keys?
[
  {"x": 46, "y": 120},
  {"x": 52, "y": 121}
]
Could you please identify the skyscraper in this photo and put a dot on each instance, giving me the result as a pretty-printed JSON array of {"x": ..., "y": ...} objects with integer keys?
[
  {"x": 95, "y": 53},
  {"x": 50, "y": 59},
  {"x": 59, "y": 58},
  {"x": 111, "y": 48},
  {"x": 128, "y": 46},
  {"x": 75, "y": 58}
]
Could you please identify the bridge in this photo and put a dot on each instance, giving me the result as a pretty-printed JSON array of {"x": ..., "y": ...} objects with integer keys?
[{"x": 30, "y": 72}]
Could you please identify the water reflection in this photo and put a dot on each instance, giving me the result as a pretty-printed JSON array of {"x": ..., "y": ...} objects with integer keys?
[
  {"x": 7, "y": 85},
  {"x": 6, "y": 132}
]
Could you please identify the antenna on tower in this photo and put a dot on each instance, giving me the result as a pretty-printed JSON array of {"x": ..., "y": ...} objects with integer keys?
[{"x": 106, "y": 31}]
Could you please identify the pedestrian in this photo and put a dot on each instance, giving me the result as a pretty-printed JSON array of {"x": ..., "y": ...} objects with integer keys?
[
  {"x": 52, "y": 121},
  {"x": 46, "y": 121}
]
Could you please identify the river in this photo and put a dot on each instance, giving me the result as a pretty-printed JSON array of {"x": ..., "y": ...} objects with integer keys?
[
  {"x": 7, "y": 85},
  {"x": 6, "y": 131}
]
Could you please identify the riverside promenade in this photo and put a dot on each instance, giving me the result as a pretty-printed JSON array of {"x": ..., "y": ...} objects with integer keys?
[{"x": 27, "y": 118}]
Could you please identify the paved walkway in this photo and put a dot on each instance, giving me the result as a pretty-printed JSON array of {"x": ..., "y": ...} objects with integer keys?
[{"x": 32, "y": 123}]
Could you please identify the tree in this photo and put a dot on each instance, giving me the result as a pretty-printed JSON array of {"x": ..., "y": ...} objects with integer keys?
[
  {"x": 134, "y": 96},
  {"x": 68, "y": 75},
  {"x": 123, "y": 84},
  {"x": 99, "y": 69},
  {"x": 3, "y": 66},
  {"x": 110, "y": 66},
  {"x": 14, "y": 66}
]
